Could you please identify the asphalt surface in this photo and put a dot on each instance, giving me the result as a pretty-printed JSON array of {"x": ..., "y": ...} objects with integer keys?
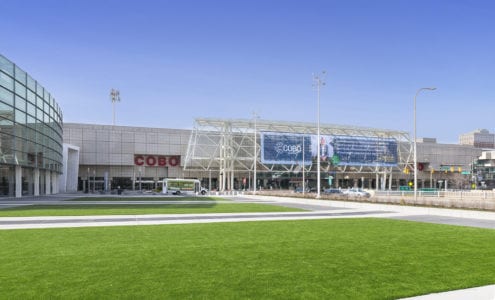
[{"x": 470, "y": 222}]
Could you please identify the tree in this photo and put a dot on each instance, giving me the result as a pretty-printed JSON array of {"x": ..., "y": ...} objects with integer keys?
[{"x": 459, "y": 181}]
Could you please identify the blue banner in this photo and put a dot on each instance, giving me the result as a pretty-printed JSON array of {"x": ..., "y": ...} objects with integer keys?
[
  {"x": 285, "y": 148},
  {"x": 338, "y": 150},
  {"x": 365, "y": 151}
]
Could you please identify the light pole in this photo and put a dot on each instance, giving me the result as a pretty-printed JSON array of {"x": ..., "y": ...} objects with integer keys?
[
  {"x": 303, "y": 178},
  {"x": 415, "y": 145},
  {"x": 318, "y": 82},
  {"x": 115, "y": 97},
  {"x": 255, "y": 116},
  {"x": 140, "y": 179}
]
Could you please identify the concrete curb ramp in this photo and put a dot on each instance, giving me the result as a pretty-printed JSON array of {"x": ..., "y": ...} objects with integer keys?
[{"x": 478, "y": 293}]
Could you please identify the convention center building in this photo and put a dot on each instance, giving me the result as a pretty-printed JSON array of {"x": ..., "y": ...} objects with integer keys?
[
  {"x": 31, "y": 149},
  {"x": 225, "y": 154}
]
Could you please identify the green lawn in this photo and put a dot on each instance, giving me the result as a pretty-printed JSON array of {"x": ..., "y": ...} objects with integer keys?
[
  {"x": 138, "y": 209},
  {"x": 151, "y": 198},
  {"x": 314, "y": 259}
]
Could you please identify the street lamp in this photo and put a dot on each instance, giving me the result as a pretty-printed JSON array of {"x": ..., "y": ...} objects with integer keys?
[
  {"x": 318, "y": 83},
  {"x": 415, "y": 145},
  {"x": 303, "y": 167},
  {"x": 255, "y": 157}
]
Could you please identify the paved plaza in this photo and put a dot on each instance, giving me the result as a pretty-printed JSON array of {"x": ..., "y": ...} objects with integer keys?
[{"x": 316, "y": 209}]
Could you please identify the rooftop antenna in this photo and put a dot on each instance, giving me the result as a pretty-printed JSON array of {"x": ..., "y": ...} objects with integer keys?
[{"x": 115, "y": 97}]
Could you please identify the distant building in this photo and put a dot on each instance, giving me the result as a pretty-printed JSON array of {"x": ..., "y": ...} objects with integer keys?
[
  {"x": 484, "y": 170},
  {"x": 480, "y": 138}
]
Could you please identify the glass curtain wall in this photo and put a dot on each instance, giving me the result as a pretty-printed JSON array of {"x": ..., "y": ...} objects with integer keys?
[{"x": 30, "y": 129}]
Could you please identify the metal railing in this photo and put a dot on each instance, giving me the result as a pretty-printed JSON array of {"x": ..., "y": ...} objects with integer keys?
[{"x": 475, "y": 199}]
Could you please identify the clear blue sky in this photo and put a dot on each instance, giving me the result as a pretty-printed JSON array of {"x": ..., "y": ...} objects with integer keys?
[{"x": 174, "y": 61}]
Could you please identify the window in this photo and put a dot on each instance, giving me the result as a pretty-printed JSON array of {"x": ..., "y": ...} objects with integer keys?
[
  {"x": 20, "y": 75},
  {"x": 39, "y": 90},
  {"x": 31, "y": 83},
  {"x": 6, "y": 66},
  {"x": 39, "y": 102},
  {"x": 6, "y": 81},
  {"x": 20, "y": 89},
  {"x": 31, "y": 110},
  {"x": 31, "y": 97},
  {"x": 6, "y": 96},
  {"x": 20, "y": 103},
  {"x": 20, "y": 117}
]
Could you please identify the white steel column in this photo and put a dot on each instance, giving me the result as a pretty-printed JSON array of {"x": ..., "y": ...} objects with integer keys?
[
  {"x": 222, "y": 163},
  {"x": 385, "y": 177},
  {"x": 390, "y": 180},
  {"x": 377, "y": 185},
  {"x": 232, "y": 174}
]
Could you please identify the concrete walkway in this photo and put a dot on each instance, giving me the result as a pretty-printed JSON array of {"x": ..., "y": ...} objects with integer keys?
[
  {"x": 478, "y": 293},
  {"x": 317, "y": 209},
  {"x": 132, "y": 220}
]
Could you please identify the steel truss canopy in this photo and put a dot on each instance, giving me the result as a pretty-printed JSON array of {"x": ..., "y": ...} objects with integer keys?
[{"x": 227, "y": 146}]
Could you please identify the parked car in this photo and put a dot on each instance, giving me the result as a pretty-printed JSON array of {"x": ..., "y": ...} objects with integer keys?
[
  {"x": 357, "y": 193},
  {"x": 306, "y": 190},
  {"x": 332, "y": 191}
]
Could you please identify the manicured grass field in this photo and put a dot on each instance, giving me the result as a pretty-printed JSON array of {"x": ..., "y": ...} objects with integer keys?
[
  {"x": 138, "y": 209},
  {"x": 151, "y": 198},
  {"x": 318, "y": 259}
]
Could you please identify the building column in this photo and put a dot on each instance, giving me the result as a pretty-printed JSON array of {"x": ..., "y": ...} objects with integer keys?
[
  {"x": 384, "y": 181},
  {"x": 48, "y": 182},
  {"x": 36, "y": 182},
  {"x": 390, "y": 181},
  {"x": 18, "y": 181},
  {"x": 55, "y": 183},
  {"x": 377, "y": 185}
]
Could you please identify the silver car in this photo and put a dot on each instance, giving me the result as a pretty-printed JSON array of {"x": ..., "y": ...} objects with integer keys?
[{"x": 355, "y": 192}]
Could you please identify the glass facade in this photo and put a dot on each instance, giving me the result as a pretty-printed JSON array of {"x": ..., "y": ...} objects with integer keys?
[{"x": 30, "y": 131}]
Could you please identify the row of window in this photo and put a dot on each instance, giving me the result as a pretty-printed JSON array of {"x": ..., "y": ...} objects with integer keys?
[
  {"x": 16, "y": 80},
  {"x": 30, "y": 121},
  {"x": 21, "y": 91},
  {"x": 14, "y": 72},
  {"x": 9, "y": 144},
  {"x": 15, "y": 150},
  {"x": 34, "y": 106},
  {"x": 40, "y": 132}
]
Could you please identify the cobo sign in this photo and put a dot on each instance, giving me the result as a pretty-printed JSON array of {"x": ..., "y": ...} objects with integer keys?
[{"x": 156, "y": 160}]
